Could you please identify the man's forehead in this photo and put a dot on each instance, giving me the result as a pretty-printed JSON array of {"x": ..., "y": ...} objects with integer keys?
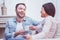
[{"x": 21, "y": 6}]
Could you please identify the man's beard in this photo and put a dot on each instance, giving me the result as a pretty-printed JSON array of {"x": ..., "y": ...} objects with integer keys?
[{"x": 19, "y": 15}]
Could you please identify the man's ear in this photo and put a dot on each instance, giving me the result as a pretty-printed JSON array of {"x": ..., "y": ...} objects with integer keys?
[{"x": 16, "y": 10}]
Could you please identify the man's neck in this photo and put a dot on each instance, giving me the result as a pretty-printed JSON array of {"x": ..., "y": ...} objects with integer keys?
[{"x": 19, "y": 19}]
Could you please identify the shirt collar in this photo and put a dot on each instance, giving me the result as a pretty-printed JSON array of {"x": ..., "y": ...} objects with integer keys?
[{"x": 24, "y": 19}]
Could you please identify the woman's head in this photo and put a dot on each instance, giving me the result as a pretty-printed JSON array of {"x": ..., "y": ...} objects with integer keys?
[{"x": 48, "y": 9}]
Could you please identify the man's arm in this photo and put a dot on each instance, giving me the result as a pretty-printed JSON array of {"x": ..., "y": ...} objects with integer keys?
[
  {"x": 7, "y": 30},
  {"x": 34, "y": 22},
  {"x": 8, "y": 33}
]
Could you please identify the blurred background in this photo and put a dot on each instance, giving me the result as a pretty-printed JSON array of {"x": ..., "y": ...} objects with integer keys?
[
  {"x": 7, "y": 10},
  {"x": 33, "y": 7}
]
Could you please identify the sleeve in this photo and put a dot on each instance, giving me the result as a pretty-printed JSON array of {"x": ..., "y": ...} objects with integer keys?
[
  {"x": 7, "y": 33},
  {"x": 46, "y": 28},
  {"x": 34, "y": 22}
]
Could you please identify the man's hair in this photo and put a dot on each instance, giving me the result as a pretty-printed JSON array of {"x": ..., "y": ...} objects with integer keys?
[
  {"x": 20, "y": 4},
  {"x": 49, "y": 9}
]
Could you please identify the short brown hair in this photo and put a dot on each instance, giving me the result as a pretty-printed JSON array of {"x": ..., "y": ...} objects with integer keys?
[
  {"x": 49, "y": 9},
  {"x": 20, "y": 4}
]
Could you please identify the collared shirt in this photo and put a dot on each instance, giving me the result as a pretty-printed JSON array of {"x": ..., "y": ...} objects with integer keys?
[{"x": 12, "y": 23}]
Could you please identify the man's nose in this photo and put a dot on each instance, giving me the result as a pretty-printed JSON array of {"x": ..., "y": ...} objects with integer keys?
[{"x": 22, "y": 10}]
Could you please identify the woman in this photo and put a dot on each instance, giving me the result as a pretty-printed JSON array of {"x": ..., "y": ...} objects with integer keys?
[{"x": 49, "y": 24}]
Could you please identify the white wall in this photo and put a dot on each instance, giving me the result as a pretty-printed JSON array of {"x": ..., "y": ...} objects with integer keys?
[
  {"x": 58, "y": 11},
  {"x": 33, "y": 7}
]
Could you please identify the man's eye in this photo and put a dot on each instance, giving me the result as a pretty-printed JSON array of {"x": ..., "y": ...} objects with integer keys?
[{"x": 24, "y": 9}]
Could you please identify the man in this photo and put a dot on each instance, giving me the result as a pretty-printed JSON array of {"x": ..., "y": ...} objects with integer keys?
[{"x": 16, "y": 27}]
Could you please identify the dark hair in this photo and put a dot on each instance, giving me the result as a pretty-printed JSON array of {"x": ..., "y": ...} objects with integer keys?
[
  {"x": 20, "y": 4},
  {"x": 49, "y": 9}
]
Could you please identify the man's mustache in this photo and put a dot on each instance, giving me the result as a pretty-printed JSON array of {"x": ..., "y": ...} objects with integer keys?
[{"x": 20, "y": 12}]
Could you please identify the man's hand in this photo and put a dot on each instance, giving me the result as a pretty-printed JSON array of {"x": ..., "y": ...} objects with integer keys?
[
  {"x": 16, "y": 34},
  {"x": 22, "y": 32},
  {"x": 28, "y": 37},
  {"x": 33, "y": 28}
]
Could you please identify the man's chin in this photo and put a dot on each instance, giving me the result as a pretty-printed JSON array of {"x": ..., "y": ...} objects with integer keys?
[{"x": 21, "y": 16}]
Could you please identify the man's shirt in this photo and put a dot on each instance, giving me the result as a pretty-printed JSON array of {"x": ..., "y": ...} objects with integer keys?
[{"x": 11, "y": 26}]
